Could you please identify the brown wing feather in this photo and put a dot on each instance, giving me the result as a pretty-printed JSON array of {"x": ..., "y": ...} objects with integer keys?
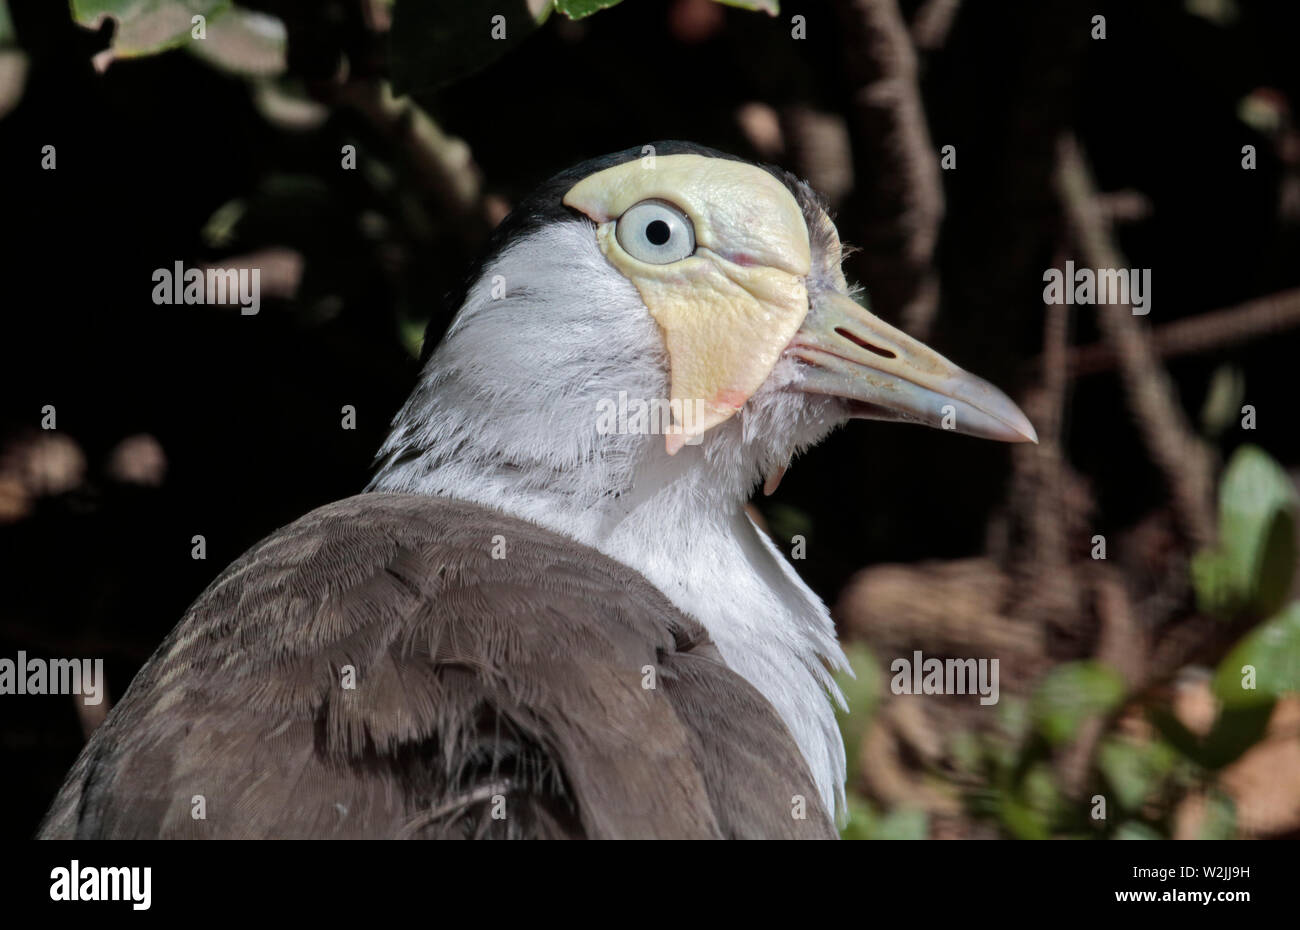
[{"x": 509, "y": 686}]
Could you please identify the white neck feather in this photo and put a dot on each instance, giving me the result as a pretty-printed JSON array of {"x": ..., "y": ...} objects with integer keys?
[{"x": 505, "y": 416}]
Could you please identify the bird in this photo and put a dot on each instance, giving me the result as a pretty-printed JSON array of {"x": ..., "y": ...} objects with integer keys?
[{"x": 549, "y": 614}]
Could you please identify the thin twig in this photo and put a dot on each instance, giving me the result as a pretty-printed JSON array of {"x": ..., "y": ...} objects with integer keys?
[
  {"x": 1211, "y": 331},
  {"x": 899, "y": 196},
  {"x": 932, "y": 23},
  {"x": 1185, "y": 461},
  {"x": 441, "y": 164}
]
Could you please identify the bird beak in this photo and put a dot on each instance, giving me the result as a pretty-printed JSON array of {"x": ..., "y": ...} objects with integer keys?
[{"x": 888, "y": 375}]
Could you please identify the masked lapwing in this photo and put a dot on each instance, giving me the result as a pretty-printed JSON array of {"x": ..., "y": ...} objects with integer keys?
[{"x": 549, "y": 615}]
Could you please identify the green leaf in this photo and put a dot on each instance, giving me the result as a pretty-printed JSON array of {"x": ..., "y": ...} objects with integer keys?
[
  {"x": 146, "y": 27},
  {"x": 1002, "y": 747},
  {"x": 435, "y": 42},
  {"x": 902, "y": 824},
  {"x": 862, "y": 693},
  {"x": 7, "y": 36},
  {"x": 1070, "y": 694},
  {"x": 219, "y": 232},
  {"x": 1014, "y": 718},
  {"x": 238, "y": 40},
  {"x": 1021, "y": 821},
  {"x": 1265, "y": 665},
  {"x": 1029, "y": 811},
  {"x": 966, "y": 752},
  {"x": 1039, "y": 789},
  {"x": 862, "y": 819},
  {"x": 862, "y": 688},
  {"x": 1215, "y": 584},
  {"x": 1223, "y": 400},
  {"x": 1174, "y": 732},
  {"x": 13, "y": 63},
  {"x": 245, "y": 42},
  {"x": 1235, "y": 731},
  {"x": 411, "y": 335},
  {"x": 1220, "y": 818},
  {"x": 577, "y": 9},
  {"x": 1251, "y": 568},
  {"x": 770, "y": 7},
  {"x": 1134, "y": 770},
  {"x": 1136, "y": 830}
]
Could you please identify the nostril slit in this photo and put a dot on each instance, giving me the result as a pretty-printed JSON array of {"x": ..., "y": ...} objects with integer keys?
[{"x": 863, "y": 344}]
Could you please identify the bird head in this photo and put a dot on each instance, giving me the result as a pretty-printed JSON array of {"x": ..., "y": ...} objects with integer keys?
[
  {"x": 698, "y": 289},
  {"x": 740, "y": 266}
]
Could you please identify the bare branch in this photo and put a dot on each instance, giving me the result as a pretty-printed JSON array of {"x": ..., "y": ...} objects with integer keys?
[
  {"x": 932, "y": 23},
  {"x": 899, "y": 196},
  {"x": 1180, "y": 455},
  {"x": 1208, "y": 331}
]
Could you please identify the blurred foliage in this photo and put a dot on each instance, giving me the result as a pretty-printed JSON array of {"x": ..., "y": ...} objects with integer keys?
[
  {"x": 1070, "y": 694},
  {"x": 1223, "y": 400},
  {"x": 866, "y": 822},
  {"x": 436, "y": 42},
  {"x": 238, "y": 39},
  {"x": 1251, "y": 569},
  {"x": 6, "y": 25},
  {"x": 1009, "y": 774},
  {"x": 862, "y": 688},
  {"x": 1273, "y": 651}
]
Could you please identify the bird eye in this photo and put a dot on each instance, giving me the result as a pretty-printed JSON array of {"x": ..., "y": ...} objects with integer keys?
[{"x": 655, "y": 232}]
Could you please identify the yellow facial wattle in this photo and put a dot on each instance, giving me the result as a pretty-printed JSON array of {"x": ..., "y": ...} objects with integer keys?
[{"x": 728, "y": 310}]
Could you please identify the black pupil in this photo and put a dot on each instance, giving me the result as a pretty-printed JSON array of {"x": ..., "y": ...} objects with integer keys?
[{"x": 658, "y": 232}]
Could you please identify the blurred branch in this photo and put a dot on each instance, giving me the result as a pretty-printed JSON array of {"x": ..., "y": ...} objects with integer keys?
[
  {"x": 1121, "y": 645},
  {"x": 1206, "y": 332},
  {"x": 957, "y": 607},
  {"x": 1049, "y": 504},
  {"x": 1042, "y": 501},
  {"x": 1194, "y": 639},
  {"x": 899, "y": 197},
  {"x": 441, "y": 164},
  {"x": 932, "y": 23},
  {"x": 818, "y": 150},
  {"x": 1184, "y": 459}
]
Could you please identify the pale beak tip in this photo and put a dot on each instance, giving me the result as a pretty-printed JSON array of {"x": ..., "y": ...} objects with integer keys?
[
  {"x": 1012, "y": 425},
  {"x": 1017, "y": 426}
]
